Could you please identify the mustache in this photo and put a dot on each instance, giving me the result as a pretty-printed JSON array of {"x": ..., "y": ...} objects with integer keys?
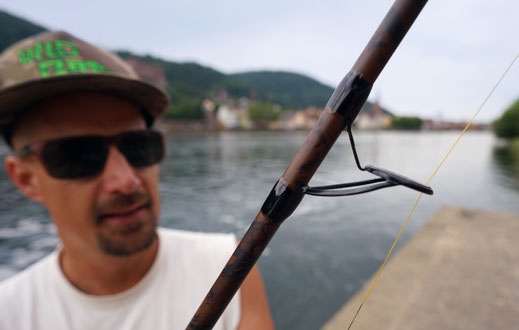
[{"x": 120, "y": 202}]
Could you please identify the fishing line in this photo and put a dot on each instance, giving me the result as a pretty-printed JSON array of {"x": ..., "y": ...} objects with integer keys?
[{"x": 428, "y": 181}]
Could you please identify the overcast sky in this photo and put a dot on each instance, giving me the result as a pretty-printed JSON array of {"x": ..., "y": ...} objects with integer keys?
[{"x": 448, "y": 62}]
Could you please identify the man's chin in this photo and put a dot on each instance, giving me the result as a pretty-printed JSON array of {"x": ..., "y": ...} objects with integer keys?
[{"x": 127, "y": 240}]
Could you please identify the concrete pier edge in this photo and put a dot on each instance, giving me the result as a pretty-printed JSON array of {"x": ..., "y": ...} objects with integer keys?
[{"x": 460, "y": 271}]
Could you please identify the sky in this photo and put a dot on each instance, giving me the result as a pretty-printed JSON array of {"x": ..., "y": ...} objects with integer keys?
[{"x": 444, "y": 68}]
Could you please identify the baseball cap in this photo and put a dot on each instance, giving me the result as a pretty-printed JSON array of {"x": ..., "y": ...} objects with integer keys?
[{"x": 55, "y": 62}]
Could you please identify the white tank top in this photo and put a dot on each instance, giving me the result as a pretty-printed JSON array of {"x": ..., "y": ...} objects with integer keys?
[{"x": 186, "y": 266}]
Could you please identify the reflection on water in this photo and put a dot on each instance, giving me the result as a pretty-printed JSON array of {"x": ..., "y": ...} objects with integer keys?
[
  {"x": 330, "y": 246},
  {"x": 506, "y": 159}
]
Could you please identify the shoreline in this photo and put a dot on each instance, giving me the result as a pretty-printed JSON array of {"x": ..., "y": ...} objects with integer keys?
[{"x": 200, "y": 126}]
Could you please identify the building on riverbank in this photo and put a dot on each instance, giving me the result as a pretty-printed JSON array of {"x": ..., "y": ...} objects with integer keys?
[{"x": 372, "y": 117}]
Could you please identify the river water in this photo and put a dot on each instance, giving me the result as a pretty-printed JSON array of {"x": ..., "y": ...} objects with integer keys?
[{"x": 330, "y": 246}]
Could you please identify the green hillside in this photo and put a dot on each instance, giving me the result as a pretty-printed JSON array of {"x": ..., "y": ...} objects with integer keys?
[
  {"x": 189, "y": 83},
  {"x": 13, "y": 29},
  {"x": 191, "y": 79},
  {"x": 291, "y": 90}
]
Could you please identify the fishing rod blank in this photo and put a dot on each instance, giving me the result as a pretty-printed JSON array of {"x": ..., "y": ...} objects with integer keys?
[{"x": 338, "y": 115}]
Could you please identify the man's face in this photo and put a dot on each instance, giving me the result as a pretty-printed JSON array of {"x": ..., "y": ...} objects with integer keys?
[{"x": 113, "y": 213}]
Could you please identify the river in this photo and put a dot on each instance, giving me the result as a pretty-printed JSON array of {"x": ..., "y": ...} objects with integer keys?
[{"x": 330, "y": 246}]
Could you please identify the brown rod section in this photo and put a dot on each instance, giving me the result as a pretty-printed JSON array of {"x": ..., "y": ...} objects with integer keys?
[
  {"x": 340, "y": 112},
  {"x": 387, "y": 38}
]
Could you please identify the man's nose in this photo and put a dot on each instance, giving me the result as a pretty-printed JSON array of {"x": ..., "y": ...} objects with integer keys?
[{"x": 118, "y": 175}]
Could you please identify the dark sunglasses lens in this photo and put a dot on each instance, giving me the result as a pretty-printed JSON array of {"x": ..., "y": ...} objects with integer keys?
[
  {"x": 142, "y": 149},
  {"x": 75, "y": 157}
]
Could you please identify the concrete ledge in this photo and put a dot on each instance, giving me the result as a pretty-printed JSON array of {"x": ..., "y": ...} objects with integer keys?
[{"x": 461, "y": 271}]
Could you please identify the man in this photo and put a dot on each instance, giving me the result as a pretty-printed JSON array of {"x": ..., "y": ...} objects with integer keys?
[{"x": 80, "y": 124}]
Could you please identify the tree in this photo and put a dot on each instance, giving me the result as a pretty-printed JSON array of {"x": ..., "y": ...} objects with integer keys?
[
  {"x": 410, "y": 123},
  {"x": 186, "y": 109},
  {"x": 259, "y": 111},
  {"x": 507, "y": 126}
]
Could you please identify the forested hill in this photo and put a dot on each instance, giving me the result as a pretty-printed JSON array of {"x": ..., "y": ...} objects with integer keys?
[
  {"x": 189, "y": 83},
  {"x": 186, "y": 80},
  {"x": 291, "y": 89}
]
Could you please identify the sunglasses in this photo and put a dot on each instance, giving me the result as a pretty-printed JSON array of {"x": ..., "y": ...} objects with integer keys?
[{"x": 85, "y": 156}]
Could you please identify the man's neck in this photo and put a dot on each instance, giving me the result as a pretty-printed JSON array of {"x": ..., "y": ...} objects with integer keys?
[{"x": 107, "y": 275}]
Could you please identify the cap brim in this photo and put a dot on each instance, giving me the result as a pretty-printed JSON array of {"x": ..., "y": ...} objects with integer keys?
[{"x": 16, "y": 99}]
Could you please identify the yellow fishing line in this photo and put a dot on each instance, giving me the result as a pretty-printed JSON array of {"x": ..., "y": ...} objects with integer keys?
[{"x": 428, "y": 181}]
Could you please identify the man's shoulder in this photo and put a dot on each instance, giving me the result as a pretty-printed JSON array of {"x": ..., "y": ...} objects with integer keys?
[
  {"x": 22, "y": 294},
  {"x": 26, "y": 279}
]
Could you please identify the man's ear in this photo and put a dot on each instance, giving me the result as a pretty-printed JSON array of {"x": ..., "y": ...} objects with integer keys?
[{"x": 23, "y": 176}]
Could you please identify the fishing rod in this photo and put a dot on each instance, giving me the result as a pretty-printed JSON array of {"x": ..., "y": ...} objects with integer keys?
[{"x": 340, "y": 112}]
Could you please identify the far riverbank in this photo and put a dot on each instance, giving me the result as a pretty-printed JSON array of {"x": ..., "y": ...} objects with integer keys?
[{"x": 201, "y": 126}]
